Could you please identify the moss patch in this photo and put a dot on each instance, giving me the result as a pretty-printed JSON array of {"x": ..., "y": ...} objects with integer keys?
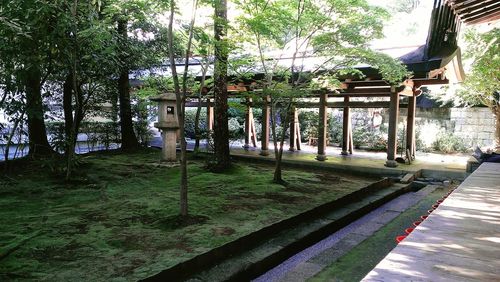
[{"x": 118, "y": 219}]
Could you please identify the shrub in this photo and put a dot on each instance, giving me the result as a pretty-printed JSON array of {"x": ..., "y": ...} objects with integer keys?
[
  {"x": 364, "y": 136},
  {"x": 189, "y": 122},
  {"x": 449, "y": 143},
  {"x": 308, "y": 124},
  {"x": 335, "y": 125},
  {"x": 235, "y": 129}
]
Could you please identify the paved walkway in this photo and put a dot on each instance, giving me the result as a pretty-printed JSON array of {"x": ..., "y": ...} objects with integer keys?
[
  {"x": 459, "y": 241},
  {"x": 432, "y": 165},
  {"x": 361, "y": 161}
]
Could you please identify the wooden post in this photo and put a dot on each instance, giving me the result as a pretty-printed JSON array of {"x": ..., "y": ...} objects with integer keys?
[
  {"x": 266, "y": 115},
  {"x": 322, "y": 127},
  {"x": 297, "y": 131},
  {"x": 351, "y": 140},
  {"x": 210, "y": 116},
  {"x": 247, "y": 123},
  {"x": 410, "y": 126},
  {"x": 253, "y": 134},
  {"x": 346, "y": 136},
  {"x": 210, "y": 122},
  {"x": 294, "y": 130},
  {"x": 393, "y": 129}
]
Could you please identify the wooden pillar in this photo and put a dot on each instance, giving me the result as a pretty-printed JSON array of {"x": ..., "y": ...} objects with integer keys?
[
  {"x": 322, "y": 127},
  {"x": 266, "y": 115},
  {"x": 294, "y": 130},
  {"x": 210, "y": 121},
  {"x": 346, "y": 132},
  {"x": 393, "y": 129},
  {"x": 210, "y": 116},
  {"x": 298, "y": 136},
  {"x": 253, "y": 131},
  {"x": 248, "y": 116},
  {"x": 351, "y": 140},
  {"x": 410, "y": 126}
]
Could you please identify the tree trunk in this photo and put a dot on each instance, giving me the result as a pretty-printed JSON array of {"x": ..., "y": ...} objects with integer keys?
[
  {"x": 180, "y": 107},
  {"x": 129, "y": 140},
  {"x": 278, "y": 150},
  {"x": 198, "y": 109},
  {"x": 68, "y": 110},
  {"x": 37, "y": 132},
  {"x": 496, "y": 113},
  {"x": 221, "y": 130}
]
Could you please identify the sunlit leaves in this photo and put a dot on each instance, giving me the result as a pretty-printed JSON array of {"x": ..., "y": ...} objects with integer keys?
[{"x": 482, "y": 84}]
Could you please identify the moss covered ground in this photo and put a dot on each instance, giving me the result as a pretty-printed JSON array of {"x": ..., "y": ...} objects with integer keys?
[
  {"x": 117, "y": 219},
  {"x": 356, "y": 264}
]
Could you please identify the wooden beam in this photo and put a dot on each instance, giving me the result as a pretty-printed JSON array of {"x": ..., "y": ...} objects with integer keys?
[
  {"x": 469, "y": 6},
  {"x": 357, "y": 83},
  {"x": 368, "y": 90},
  {"x": 480, "y": 11},
  {"x": 422, "y": 82},
  {"x": 377, "y": 94},
  {"x": 490, "y": 16}
]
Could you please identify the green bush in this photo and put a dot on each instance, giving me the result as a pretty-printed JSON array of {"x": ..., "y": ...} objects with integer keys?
[
  {"x": 335, "y": 125},
  {"x": 449, "y": 143},
  {"x": 189, "y": 122},
  {"x": 308, "y": 125},
  {"x": 364, "y": 136},
  {"x": 236, "y": 130}
]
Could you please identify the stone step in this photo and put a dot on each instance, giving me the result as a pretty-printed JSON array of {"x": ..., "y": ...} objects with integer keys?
[{"x": 279, "y": 246}]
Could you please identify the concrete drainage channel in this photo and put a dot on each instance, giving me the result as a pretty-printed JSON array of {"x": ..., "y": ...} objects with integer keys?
[
  {"x": 250, "y": 256},
  {"x": 320, "y": 256}
]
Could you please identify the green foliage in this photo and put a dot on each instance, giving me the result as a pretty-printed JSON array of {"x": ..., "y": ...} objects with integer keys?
[
  {"x": 449, "y": 143},
  {"x": 189, "y": 122},
  {"x": 335, "y": 122},
  {"x": 481, "y": 86},
  {"x": 368, "y": 138},
  {"x": 308, "y": 124}
]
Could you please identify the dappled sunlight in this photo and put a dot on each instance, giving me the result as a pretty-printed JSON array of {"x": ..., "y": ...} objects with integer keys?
[
  {"x": 403, "y": 265},
  {"x": 458, "y": 241},
  {"x": 490, "y": 239}
]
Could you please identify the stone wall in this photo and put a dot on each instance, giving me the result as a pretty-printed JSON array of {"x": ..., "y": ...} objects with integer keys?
[{"x": 475, "y": 125}]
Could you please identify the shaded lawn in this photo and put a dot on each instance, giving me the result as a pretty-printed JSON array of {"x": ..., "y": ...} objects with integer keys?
[{"x": 117, "y": 219}]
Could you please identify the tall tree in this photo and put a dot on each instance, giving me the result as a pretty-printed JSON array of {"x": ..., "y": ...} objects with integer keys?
[
  {"x": 129, "y": 139},
  {"x": 482, "y": 83},
  {"x": 123, "y": 13},
  {"x": 26, "y": 53},
  {"x": 180, "y": 93},
  {"x": 221, "y": 50},
  {"x": 336, "y": 32}
]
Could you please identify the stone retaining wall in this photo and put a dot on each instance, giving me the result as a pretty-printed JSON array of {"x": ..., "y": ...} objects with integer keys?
[{"x": 475, "y": 125}]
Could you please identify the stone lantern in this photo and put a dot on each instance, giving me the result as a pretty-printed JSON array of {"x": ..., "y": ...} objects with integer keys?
[{"x": 168, "y": 124}]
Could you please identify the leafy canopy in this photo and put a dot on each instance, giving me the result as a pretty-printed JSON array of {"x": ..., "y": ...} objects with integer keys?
[{"x": 482, "y": 84}]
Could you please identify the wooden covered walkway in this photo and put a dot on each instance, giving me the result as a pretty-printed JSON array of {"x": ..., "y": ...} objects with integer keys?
[{"x": 459, "y": 241}]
